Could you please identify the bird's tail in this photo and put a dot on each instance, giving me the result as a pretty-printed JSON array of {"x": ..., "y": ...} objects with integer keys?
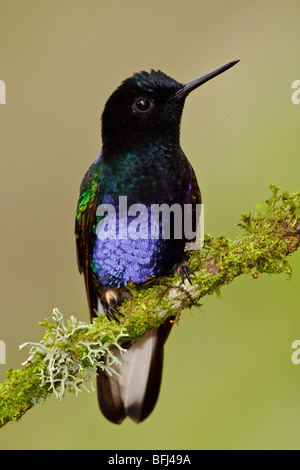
[{"x": 134, "y": 393}]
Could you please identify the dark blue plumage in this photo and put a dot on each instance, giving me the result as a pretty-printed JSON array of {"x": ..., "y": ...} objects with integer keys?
[
  {"x": 157, "y": 173},
  {"x": 141, "y": 159}
]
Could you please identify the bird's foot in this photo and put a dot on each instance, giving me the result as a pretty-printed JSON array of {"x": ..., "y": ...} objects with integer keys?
[
  {"x": 185, "y": 272},
  {"x": 111, "y": 310}
]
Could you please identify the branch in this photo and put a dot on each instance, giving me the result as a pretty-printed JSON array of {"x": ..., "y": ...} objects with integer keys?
[{"x": 69, "y": 354}]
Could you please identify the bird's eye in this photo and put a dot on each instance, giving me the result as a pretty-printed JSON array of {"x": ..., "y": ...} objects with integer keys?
[{"x": 143, "y": 104}]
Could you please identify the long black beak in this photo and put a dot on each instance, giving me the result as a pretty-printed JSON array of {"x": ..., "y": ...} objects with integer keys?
[{"x": 190, "y": 86}]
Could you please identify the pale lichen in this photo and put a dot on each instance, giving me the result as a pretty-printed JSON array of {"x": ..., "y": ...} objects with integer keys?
[{"x": 69, "y": 364}]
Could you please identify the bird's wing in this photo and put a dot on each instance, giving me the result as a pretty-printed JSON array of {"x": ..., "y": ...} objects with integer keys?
[
  {"x": 195, "y": 194},
  {"x": 85, "y": 221},
  {"x": 194, "y": 200}
]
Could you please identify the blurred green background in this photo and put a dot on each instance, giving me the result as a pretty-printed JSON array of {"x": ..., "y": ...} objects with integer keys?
[{"x": 228, "y": 380}]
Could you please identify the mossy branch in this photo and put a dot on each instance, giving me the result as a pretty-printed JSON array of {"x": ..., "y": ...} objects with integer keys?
[{"x": 69, "y": 354}]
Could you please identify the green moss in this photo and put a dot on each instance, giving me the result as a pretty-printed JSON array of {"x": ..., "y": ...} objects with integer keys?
[{"x": 21, "y": 391}]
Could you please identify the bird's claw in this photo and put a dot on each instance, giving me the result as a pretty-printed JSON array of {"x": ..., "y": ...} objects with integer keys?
[
  {"x": 111, "y": 311},
  {"x": 185, "y": 271}
]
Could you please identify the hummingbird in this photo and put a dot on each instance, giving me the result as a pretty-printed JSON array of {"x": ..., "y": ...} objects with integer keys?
[{"x": 141, "y": 158}]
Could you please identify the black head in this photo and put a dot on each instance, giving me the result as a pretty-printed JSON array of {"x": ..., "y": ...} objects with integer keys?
[
  {"x": 145, "y": 108},
  {"x": 140, "y": 111}
]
